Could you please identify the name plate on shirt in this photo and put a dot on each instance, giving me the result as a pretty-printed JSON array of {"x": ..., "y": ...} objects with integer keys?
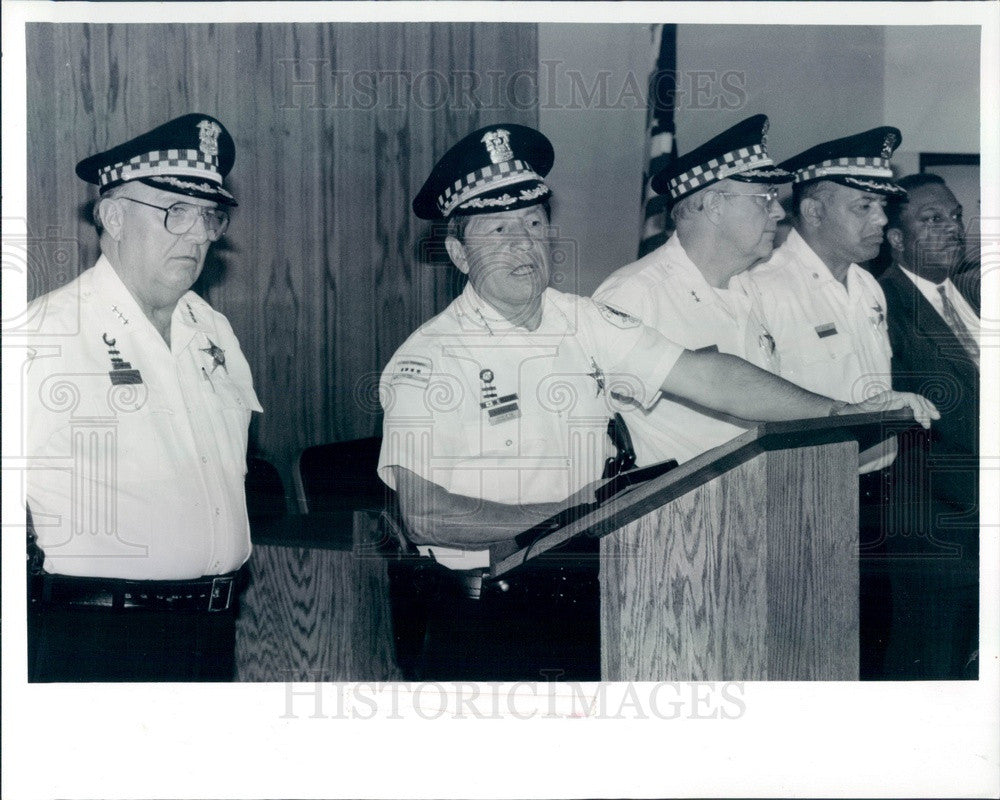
[
  {"x": 125, "y": 376},
  {"x": 822, "y": 331},
  {"x": 502, "y": 409}
]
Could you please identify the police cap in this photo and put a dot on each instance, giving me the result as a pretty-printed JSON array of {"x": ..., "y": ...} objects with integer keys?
[
  {"x": 860, "y": 161},
  {"x": 496, "y": 168},
  {"x": 189, "y": 155},
  {"x": 739, "y": 154}
]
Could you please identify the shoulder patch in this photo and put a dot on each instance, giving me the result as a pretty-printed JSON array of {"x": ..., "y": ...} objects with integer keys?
[
  {"x": 617, "y": 317},
  {"x": 413, "y": 370}
]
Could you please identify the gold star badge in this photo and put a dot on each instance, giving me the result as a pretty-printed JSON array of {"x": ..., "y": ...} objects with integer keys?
[
  {"x": 598, "y": 376},
  {"x": 218, "y": 355}
]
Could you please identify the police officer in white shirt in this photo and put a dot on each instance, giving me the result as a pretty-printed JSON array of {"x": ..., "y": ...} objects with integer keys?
[
  {"x": 723, "y": 199},
  {"x": 496, "y": 410},
  {"x": 825, "y": 312},
  {"x": 828, "y": 314},
  {"x": 139, "y": 401}
]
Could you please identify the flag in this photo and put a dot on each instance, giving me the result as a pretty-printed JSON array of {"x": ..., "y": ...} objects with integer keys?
[{"x": 661, "y": 145}]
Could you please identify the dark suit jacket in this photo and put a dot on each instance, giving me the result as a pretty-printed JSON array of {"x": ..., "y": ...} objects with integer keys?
[
  {"x": 940, "y": 466},
  {"x": 966, "y": 280}
]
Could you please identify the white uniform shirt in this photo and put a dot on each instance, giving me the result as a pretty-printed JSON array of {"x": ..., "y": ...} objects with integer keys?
[
  {"x": 489, "y": 410},
  {"x": 137, "y": 449},
  {"x": 668, "y": 292},
  {"x": 831, "y": 339}
]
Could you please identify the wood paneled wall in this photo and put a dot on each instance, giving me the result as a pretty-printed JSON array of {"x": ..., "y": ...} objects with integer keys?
[{"x": 323, "y": 272}]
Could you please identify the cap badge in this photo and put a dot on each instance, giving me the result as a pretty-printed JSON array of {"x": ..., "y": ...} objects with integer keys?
[
  {"x": 208, "y": 135},
  {"x": 889, "y": 145},
  {"x": 498, "y": 146}
]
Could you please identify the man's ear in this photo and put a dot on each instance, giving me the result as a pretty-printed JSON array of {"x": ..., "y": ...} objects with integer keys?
[
  {"x": 712, "y": 203},
  {"x": 457, "y": 254},
  {"x": 894, "y": 236},
  {"x": 811, "y": 211},
  {"x": 112, "y": 216}
]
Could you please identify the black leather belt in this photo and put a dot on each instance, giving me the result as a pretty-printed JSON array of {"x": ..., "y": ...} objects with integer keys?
[{"x": 211, "y": 593}]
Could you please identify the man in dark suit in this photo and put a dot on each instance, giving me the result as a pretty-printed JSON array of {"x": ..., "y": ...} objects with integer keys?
[{"x": 933, "y": 524}]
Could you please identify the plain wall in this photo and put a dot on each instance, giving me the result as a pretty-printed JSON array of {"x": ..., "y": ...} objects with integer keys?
[
  {"x": 598, "y": 129},
  {"x": 932, "y": 88},
  {"x": 814, "y": 82},
  {"x": 932, "y": 95}
]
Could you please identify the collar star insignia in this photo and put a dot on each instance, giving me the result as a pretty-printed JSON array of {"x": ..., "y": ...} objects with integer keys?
[
  {"x": 218, "y": 355},
  {"x": 879, "y": 313},
  {"x": 598, "y": 376}
]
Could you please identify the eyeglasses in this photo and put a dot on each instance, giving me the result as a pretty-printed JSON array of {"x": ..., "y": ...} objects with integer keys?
[
  {"x": 770, "y": 196},
  {"x": 180, "y": 218}
]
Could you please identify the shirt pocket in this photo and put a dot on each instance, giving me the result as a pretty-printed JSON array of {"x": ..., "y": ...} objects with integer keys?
[
  {"x": 818, "y": 357},
  {"x": 232, "y": 408}
]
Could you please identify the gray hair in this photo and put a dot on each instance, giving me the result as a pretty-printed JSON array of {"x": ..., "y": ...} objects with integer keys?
[
  {"x": 687, "y": 207},
  {"x": 111, "y": 194}
]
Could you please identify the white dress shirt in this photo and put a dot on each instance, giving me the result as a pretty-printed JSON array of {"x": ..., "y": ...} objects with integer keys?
[{"x": 930, "y": 290}]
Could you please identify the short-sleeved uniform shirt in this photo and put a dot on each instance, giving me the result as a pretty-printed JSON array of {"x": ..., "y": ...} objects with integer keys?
[
  {"x": 490, "y": 410},
  {"x": 669, "y": 293},
  {"x": 832, "y": 339},
  {"x": 137, "y": 449}
]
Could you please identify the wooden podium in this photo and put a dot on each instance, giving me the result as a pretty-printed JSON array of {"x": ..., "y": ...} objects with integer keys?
[{"x": 741, "y": 564}]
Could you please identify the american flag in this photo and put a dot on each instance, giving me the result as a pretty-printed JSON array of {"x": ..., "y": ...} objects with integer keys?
[{"x": 661, "y": 147}]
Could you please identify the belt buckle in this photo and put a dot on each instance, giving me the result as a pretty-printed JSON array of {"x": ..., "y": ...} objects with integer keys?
[{"x": 222, "y": 592}]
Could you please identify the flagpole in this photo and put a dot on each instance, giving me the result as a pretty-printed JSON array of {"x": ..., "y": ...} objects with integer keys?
[{"x": 661, "y": 144}]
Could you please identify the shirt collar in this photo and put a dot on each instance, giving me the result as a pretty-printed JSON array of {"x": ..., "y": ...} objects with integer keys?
[
  {"x": 121, "y": 309},
  {"x": 931, "y": 292},
  {"x": 925, "y": 285},
  {"x": 114, "y": 299},
  {"x": 476, "y": 314},
  {"x": 684, "y": 268},
  {"x": 192, "y": 312},
  {"x": 685, "y": 271},
  {"x": 801, "y": 250}
]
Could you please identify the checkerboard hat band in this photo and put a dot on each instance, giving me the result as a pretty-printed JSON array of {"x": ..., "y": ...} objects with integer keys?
[
  {"x": 858, "y": 166},
  {"x": 493, "y": 176},
  {"x": 717, "y": 169},
  {"x": 192, "y": 163}
]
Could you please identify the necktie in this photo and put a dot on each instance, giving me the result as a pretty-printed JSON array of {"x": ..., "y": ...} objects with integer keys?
[{"x": 958, "y": 327}]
